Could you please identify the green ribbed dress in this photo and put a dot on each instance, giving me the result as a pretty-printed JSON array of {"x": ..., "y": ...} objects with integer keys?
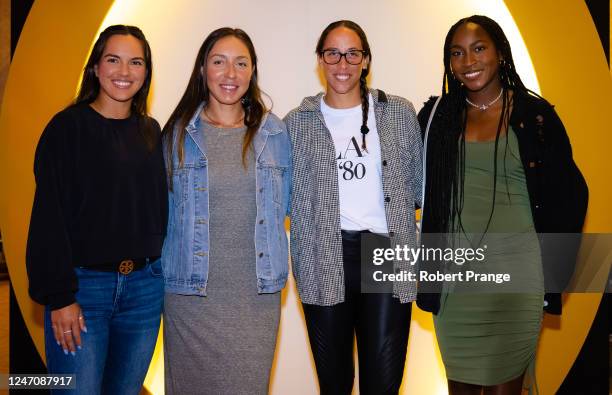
[{"x": 488, "y": 335}]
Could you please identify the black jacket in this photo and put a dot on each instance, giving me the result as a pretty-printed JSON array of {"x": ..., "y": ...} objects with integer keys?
[{"x": 557, "y": 190}]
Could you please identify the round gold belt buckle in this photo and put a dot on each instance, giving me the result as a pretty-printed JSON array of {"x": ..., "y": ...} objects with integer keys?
[{"x": 126, "y": 267}]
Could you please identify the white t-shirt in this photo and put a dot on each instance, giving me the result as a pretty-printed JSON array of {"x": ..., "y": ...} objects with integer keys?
[{"x": 359, "y": 172}]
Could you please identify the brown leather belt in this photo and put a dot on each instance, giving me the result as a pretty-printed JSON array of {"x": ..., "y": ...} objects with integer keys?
[{"x": 125, "y": 266}]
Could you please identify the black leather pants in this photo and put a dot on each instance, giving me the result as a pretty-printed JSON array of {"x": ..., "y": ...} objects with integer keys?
[{"x": 381, "y": 324}]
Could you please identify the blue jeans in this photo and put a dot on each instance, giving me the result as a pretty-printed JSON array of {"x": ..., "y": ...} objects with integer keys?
[{"x": 122, "y": 314}]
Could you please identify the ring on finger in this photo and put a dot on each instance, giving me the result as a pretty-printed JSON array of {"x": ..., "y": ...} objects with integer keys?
[{"x": 68, "y": 331}]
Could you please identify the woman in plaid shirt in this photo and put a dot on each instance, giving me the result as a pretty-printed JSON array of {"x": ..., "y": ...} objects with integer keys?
[{"x": 356, "y": 170}]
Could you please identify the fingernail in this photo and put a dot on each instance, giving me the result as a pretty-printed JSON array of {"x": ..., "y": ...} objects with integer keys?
[
  {"x": 85, "y": 329},
  {"x": 65, "y": 351},
  {"x": 79, "y": 347},
  {"x": 73, "y": 353},
  {"x": 58, "y": 343}
]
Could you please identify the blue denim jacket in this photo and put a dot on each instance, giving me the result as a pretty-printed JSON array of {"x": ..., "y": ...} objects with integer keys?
[{"x": 185, "y": 251}]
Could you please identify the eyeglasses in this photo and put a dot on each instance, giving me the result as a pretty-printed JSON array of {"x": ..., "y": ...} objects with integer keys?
[{"x": 333, "y": 56}]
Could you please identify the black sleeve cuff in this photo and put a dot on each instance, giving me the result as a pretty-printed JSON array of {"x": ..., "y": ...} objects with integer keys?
[{"x": 58, "y": 301}]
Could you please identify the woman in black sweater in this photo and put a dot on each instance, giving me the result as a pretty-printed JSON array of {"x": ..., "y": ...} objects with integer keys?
[{"x": 98, "y": 222}]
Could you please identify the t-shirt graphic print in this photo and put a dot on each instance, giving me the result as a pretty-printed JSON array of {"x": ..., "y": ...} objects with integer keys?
[{"x": 359, "y": 170}]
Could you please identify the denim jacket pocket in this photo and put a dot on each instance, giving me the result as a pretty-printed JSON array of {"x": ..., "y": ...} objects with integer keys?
[
  {"x": 180, "y": 179},
  {"x": 184, "y": 180},
  {"x": 274, "y": 177}
]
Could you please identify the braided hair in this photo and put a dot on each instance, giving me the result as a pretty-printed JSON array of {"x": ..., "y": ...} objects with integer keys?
[
  {"x": 363, "y": 85},
  {"x": 444, "y": 190}
]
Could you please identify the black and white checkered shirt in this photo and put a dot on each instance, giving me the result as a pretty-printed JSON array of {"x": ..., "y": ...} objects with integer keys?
[{"x": 316, "y": 241}]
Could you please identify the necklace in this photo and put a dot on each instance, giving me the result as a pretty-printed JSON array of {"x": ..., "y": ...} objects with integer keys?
[
  {"x": 218, "y": 124},
  {"x": 483, "y": 107}
]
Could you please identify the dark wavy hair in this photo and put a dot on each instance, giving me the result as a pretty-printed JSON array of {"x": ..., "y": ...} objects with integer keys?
[
  {"x": 363, "y": 86},
  {"x": 89, "y": 88},
  {"x": 197, "y": 92},
  {"x": 444, "y": 187}
]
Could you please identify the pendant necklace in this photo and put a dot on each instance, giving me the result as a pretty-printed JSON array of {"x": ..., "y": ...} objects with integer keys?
[{"x": 483, "y": 107}]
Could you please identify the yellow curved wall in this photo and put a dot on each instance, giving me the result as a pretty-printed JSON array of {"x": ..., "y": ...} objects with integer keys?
[
  {"x": 574, "y": 75},
  {"x": 44, "y": 73}
]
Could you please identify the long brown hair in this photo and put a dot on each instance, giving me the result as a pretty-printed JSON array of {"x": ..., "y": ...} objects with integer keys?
[
  {"x": 89, "y": 88},
  {"x": 197, "y": 92}
]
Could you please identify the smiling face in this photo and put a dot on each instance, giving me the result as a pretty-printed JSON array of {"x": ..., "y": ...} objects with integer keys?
[
  {"x": 343, "y": 78},
  {"x": 228, "y": 71},
  {"x": 475, "y": 60},
  {"x": 121, "y": 70}
]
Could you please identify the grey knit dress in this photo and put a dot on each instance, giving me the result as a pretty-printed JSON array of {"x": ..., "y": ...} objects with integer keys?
[{"x": 224, "y": 343}]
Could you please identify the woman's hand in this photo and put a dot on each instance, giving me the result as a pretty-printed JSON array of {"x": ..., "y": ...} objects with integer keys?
[{"x": 67, "y": 324}]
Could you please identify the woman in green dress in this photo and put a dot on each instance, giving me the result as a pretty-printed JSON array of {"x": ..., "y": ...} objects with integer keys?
[{"x": 499, "y": 170}]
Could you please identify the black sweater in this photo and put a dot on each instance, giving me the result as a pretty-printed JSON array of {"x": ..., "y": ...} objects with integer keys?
[
  {"x": 558, "y": 193},
  {"x": 101, "y": 197}
]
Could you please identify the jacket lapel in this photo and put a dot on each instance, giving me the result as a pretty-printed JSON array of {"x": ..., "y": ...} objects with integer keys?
[
  {"x": 259, "y": 141},
  {"x": 385, "y": 131},
  {"x": 194, "y": 131}
]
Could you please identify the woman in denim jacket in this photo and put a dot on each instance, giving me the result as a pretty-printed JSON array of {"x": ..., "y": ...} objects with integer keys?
[
  {"x": 356, "y": 170},
  {"x": 225, "y": 258}
]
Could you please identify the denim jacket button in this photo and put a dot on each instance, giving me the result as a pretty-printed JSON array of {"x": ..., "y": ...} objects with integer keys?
[
  {"x": 387, "y": 199},
  {"x": 260, "y": 190},
  {"x": 261, "y": 221},
  {"x": 384, "y": 163},
  {"x": 261, "y": 254}
]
